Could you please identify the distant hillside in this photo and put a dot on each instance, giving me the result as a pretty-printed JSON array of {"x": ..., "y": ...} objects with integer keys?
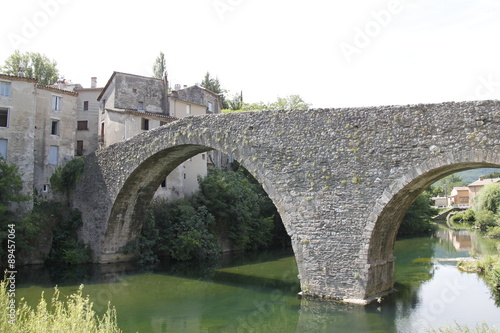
[{"x": 470, "y": 176}]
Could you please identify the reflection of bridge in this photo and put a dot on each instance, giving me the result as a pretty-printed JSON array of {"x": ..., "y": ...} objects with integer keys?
[{"x": 341, "y": 179}]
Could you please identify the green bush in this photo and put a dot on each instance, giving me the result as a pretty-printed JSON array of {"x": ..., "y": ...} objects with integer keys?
[
  {"x": 417, "y": 220},
  {"x": 493, "y": 232},
  {"x": 467, "y": 218},
  {"x": 485, "y": 219},
  {"x": 75, "y": 314},
  {"x": 66, "y": 247},
  {"x": 65, "y": 177}
]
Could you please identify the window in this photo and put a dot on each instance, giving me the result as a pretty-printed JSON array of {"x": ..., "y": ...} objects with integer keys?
[
  {"x": 53, "y": 154},
  {"x": 140, "y": 106},
  {"x": 79, "y": 148},
  {"x": 163, "y": 123},
  {"x": 102, "y": 131},
  {"x": 4, "y": 117},
  {"x": 164, "y": 183},
  {"x": 184, "y": 176},
  {"x": 5, "y": 89},
  {"x": 45, "y": 188},
  {"x": 82, "y": 125},
  {"x": 210, "y": 107},
  {"x": 3, "y": 148},
  {"x": 56, "y": 103},
  {"x": 144, "y": 124},
  {"x": 202, "y": 156},
  {"x": 188, "y": 109},
  {"x": 85, "y": 105},
  {"x": 54, "y": 128}
]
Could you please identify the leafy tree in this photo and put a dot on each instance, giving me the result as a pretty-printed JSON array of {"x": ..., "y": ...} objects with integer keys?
[
  {"x": 417, "y": 220},
  {"x": 213, "y": 85},
  {"x": 65, "y": 177},
  {"x": 159, "y": 66},
  {"x": 447, "y": 184},
  {"x": 492, "y": 175},
  {"x": 236, "y": 102},
  {"x": 11, "y": 186},
  {"x": 232, "y": 199},
  {"x": 290, "y": 102},
  {"x": 488, "y": 198},
  {"x": 34, "y": 65}
]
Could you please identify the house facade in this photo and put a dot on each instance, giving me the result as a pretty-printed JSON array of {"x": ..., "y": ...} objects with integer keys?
[
  {"x": 459, "y": 197},
  {"x": 37, "y": 129}
]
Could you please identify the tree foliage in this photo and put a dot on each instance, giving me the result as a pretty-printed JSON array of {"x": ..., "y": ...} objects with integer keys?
[
  {"x": 213, "y": 85},
  {"x": 230, "y": 207},
  {"x": 160, "y": 66},
  {"x": 417, "y": 220},
  {"x": 290, "y": 102},
  {"x": 65, "y": 177},
  {"x": 447, "y": 184},
  {"x": 33, "y": 65},
  {"x": 488, "y": 206},
  {"x": 11, "y": 185}
]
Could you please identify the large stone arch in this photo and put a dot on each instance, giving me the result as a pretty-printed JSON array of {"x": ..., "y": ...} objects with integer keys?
[{"x": 389, "y": 210}]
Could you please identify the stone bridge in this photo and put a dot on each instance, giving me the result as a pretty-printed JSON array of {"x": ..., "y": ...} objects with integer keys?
[{"x": 341, "y": 179}]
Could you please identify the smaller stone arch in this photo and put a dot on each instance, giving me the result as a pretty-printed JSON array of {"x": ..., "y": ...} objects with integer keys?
[{"x": 386, "y": 217}]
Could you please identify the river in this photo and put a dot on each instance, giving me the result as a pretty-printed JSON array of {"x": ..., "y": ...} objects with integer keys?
[{"x": 258, "y": 293}]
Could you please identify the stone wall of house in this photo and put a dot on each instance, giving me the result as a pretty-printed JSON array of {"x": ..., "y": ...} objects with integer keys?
[
  {"x": 18, "y": 135},
  {"x": 132, "y": 89},
  {"x": 341, "y": 179}
]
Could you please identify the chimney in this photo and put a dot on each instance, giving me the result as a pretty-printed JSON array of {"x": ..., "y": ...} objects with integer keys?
[
  {"x": 93, "y": 82},
  {"x": 480, "y": 178},
  {"x": 61, "y": 84}
]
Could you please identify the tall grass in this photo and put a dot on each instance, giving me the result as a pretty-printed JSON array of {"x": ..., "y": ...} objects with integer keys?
[
  {"x": 75, "y": 315},
  {"x": 482, "y": 328},
  {"x": 488, "y": 267}
]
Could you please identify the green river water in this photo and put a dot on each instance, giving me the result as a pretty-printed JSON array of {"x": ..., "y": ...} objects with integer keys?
[{"x": 258, "y": 293}]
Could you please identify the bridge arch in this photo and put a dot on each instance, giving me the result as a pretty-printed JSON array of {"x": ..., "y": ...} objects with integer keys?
[{"x": 388, "y": 212}]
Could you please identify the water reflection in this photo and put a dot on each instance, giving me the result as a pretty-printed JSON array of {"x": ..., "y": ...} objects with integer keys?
[
  {"x": 259, "y": 294},
  {"x": 457, "y": 240}
]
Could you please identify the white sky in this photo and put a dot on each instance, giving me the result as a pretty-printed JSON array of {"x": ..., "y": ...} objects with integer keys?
[{"x": 416, "y": 51}]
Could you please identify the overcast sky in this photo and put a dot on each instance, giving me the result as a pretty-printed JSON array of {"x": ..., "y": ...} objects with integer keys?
[{"x": 332, "y": 53}]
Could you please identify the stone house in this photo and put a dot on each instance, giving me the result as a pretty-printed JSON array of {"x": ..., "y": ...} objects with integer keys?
[
  {"x": 37, "y": 129},
  {"x": 131, "y": 104},
  {"x": 87, "y": 115},
  {"x": 459, "y": 197}
]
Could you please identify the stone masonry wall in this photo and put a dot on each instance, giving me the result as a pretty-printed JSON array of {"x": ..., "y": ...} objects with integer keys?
[{"x": 341, "y": 179}]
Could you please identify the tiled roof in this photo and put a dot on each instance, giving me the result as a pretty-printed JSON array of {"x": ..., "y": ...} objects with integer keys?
[{"x": 482, "y": 182}]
